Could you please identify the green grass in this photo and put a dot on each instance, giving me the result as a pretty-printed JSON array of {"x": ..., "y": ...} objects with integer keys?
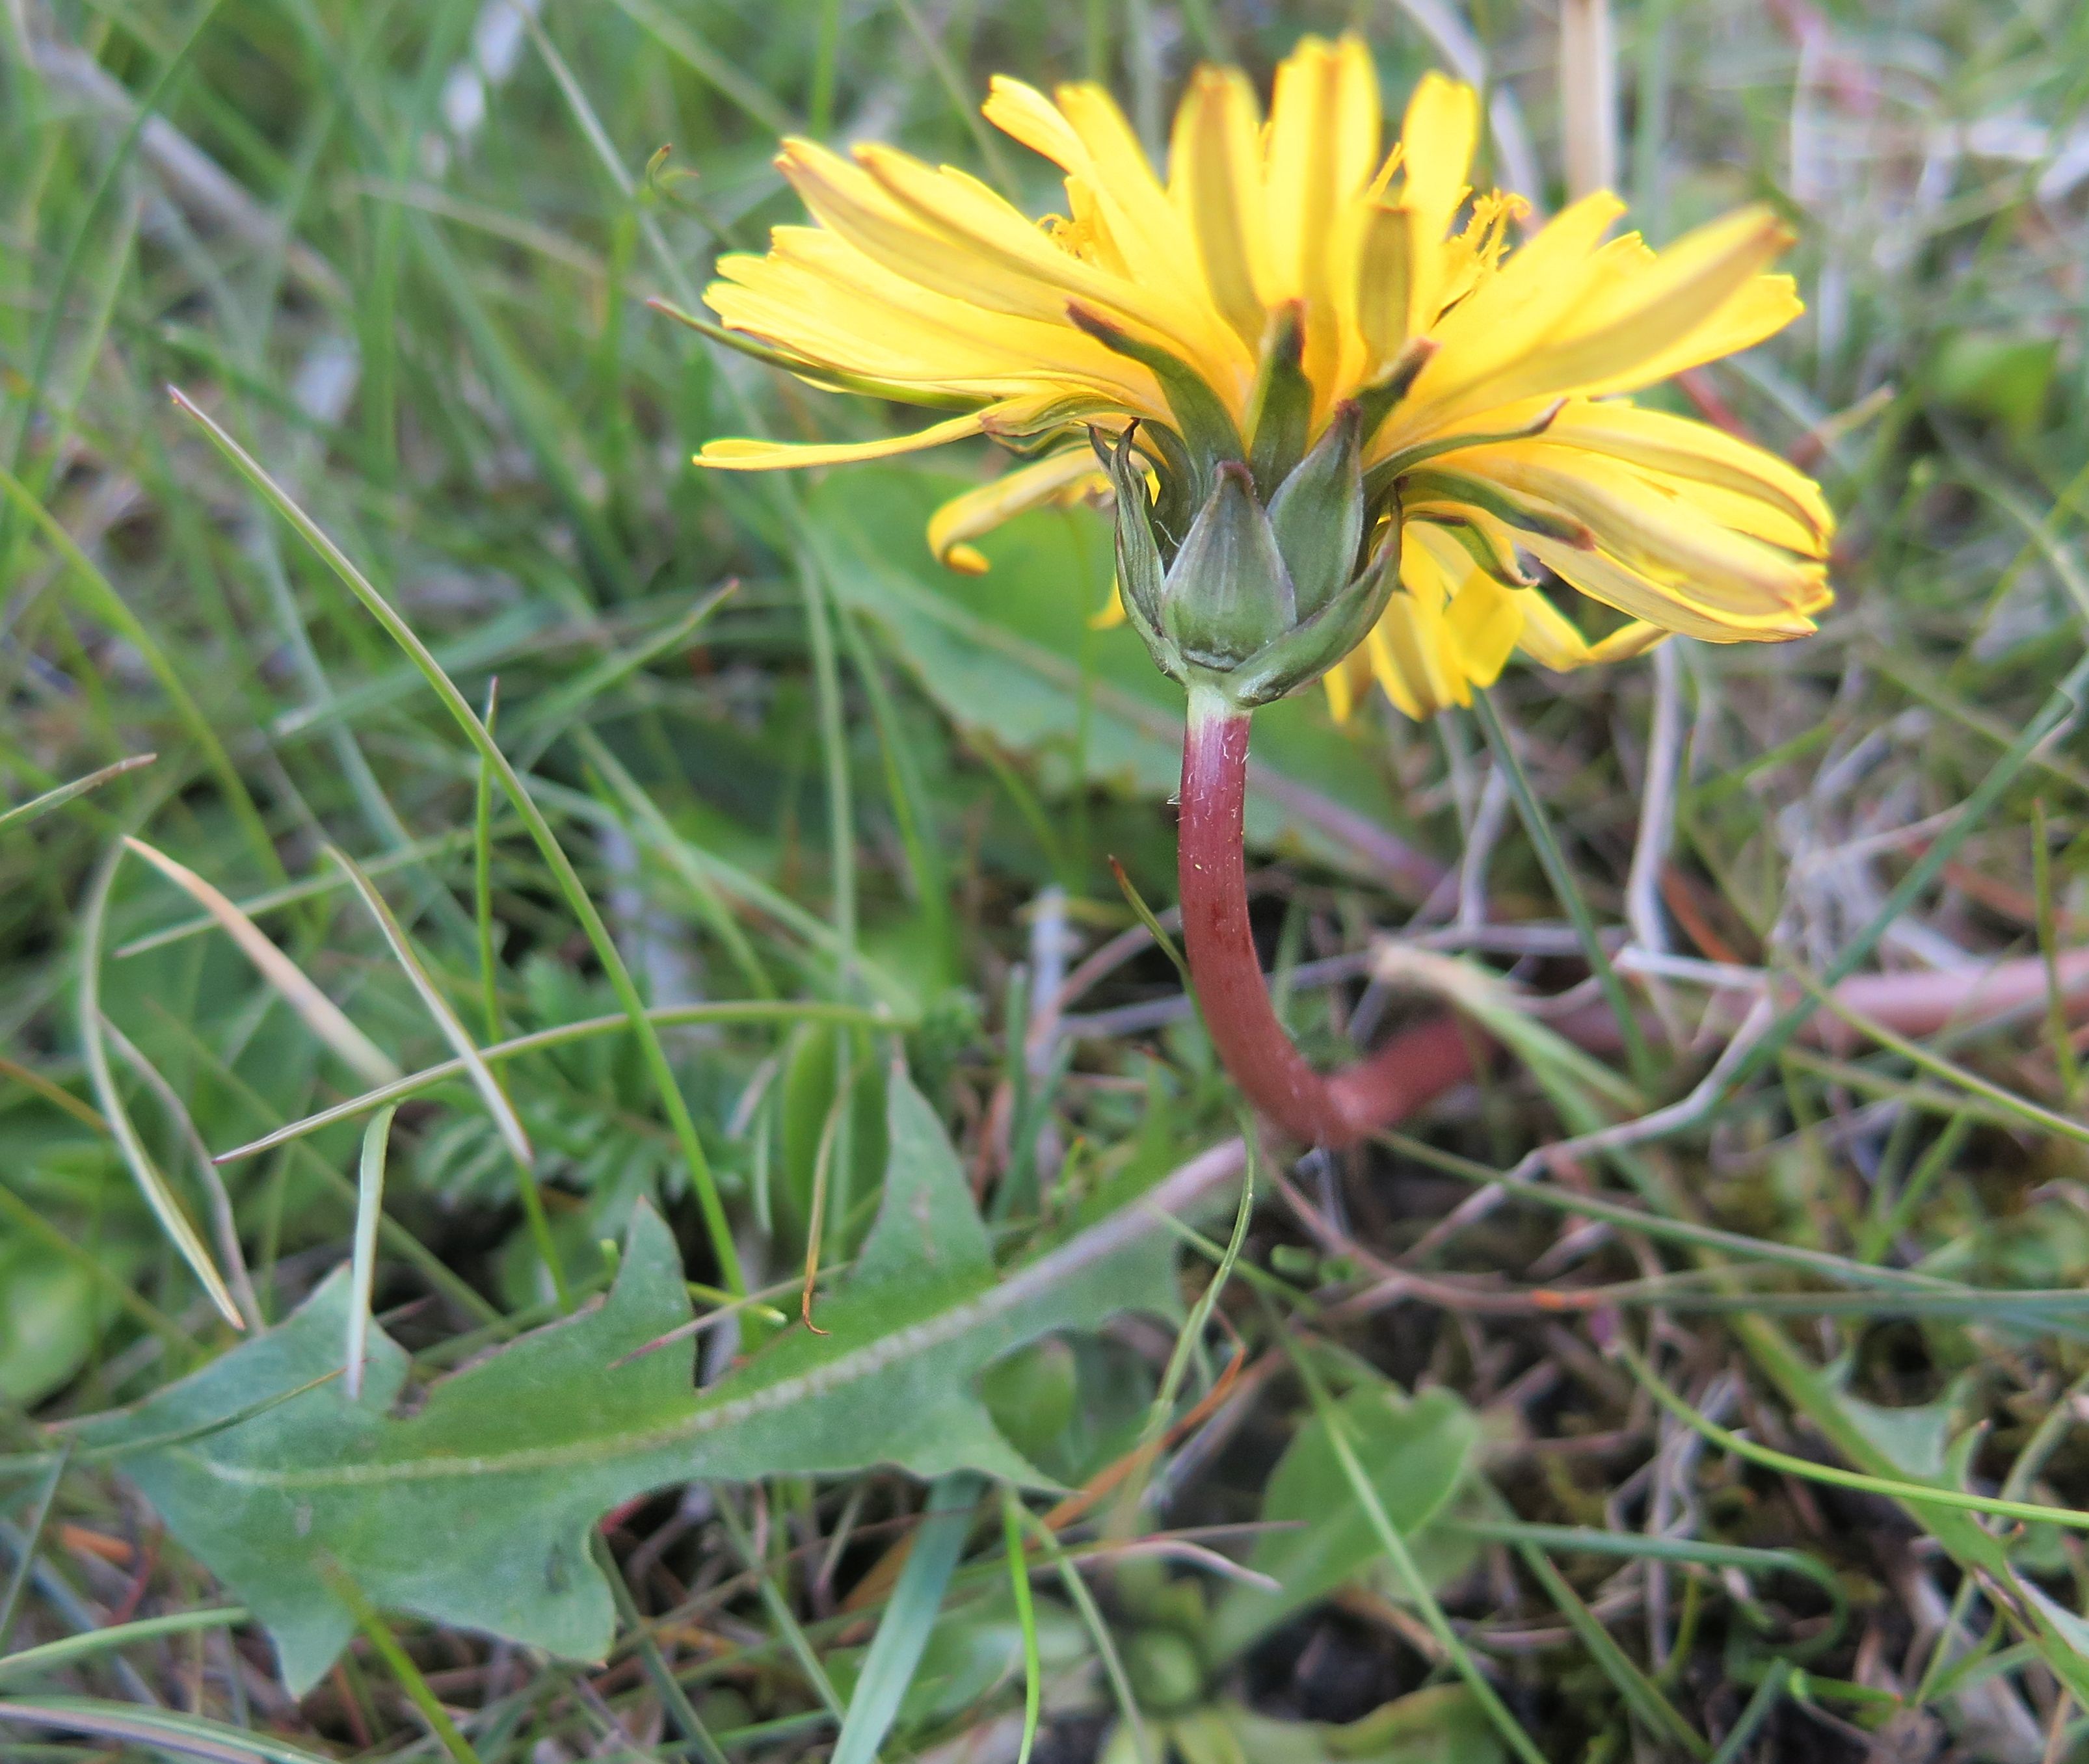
[{"x": 769, "y": 803}]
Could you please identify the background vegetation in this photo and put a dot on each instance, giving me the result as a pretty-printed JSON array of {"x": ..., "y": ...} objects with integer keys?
[{"x": 1396, "y": 1474}]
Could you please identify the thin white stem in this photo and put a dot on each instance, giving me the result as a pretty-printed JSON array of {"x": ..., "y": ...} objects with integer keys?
[
  {"x": 1488, "y": 821},
  {"x": 1589, "y": 95},
  {"x": 1656, "y": 804}
]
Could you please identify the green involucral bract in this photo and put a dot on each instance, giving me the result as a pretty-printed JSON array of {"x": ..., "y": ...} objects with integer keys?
[
  {"x": 1272, "y": 583},
  {"x": 1228, "y": 593},
  {"x": 475, "y": 1508}
]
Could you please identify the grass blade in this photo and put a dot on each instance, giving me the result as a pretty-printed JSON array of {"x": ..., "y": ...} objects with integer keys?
[
  {"x": 2063, "y": 706},
  {"x": 33, "y": 1541},
  {"x": 1638, "y": 1546},
  {"x": 159, "y": 1730},
  {"x": 1414, "y": 1588},
  {"x": 401, "y": 1664},
  {"x": 1099, "y": 1632},
  {"x": 1642, "y": 1695},
  {"x": 780, "y": 1614},
  {"x": 727, "y": 1011},
  {"x": 108, "y": 606},
  {"x": 362, "y": 1260},
  {"x": 63, "y": 1652},
  {"x": 223, "y": 1223},
  {"x": 1893, "y": 1488},
  {"x": 37, "y": 807},
  {"x": 651, "y": 827},
  {"x": 2026, "y": 1113},
  {"x": 1026, "y": 1615},
  {"x": 1761, "y": 1707},
  {"x": 1161, "y": 1411},
  {"x": 614, "y": 967},
  {"x": 26, "y": 1219},
  {"x": 902, "y": 1631},
  {"x": 482, "y": 878},
  {"x": 658, "y": 1672},
  {"x": 453, "y": 1031},
  {"x": 166, "y": 1207},
  {"x": 505, "y": 1120},
  {"x": 318, "y": 1013},
  {"x": 310, "y": 887},
  {"x": 1538, "y": 825},
  {"x": 547, "y": 718},
  {"x": 682, "y": 42}
]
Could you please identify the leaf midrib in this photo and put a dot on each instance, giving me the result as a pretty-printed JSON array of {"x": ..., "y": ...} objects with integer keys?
[{"x": 1105, "y": 1237}]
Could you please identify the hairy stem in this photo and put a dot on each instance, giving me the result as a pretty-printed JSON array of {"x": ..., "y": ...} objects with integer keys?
[{"x": 1333, "y": 1110}]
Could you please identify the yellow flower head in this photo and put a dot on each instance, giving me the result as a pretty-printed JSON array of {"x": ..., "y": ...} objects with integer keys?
[{"x": 1293, "y": 284}]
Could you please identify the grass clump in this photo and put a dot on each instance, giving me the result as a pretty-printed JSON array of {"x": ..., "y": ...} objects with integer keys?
[{"x": 722, "y": 896}]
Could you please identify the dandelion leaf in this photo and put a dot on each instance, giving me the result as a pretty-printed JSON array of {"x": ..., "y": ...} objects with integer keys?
[{"x": 473, "y": 1508}]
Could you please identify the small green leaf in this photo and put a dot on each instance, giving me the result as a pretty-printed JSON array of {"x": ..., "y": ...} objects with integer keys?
[
  {"x": 1419, "y": 1450},
  {"x": 2005, "y": 377},
  {"x": 50, "y": 1314},
  {"x": 1443, "y": 1724}
]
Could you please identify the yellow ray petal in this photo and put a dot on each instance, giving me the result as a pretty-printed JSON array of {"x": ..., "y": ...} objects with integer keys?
[
  {"x": 1647, "y": 316},
  {"x": 819, "y": 295},
  {"x": 1384, "y": 279},
  {"x": 1407, "y": 650},
  {"x": 1662, "y": 535},
  {"x": 1344, "y": 681},
  {"x": 1490, "y": 543},
  {"x": 1627, "y": 641},
  {"x": 1215, "y": 178},
  {"x": 1062, "y": 477},
  {"x": 1020, "y": 111},
  {"x": 1761, "y": 308},
  {"x": 736, "y": 455},
  {"x": 1087, "y": 136},
  {"x": 1681, "y": 448},
  {"x": 1551, "y": 640},
  {"x": 1413, "y": 650},
  {"x": 1606, "y": 579},
  {"x": 1324, "y": 128},
  {"x": 945, "y": 231},
  {"x": 1011, "y": 254},
  {"x": 1437, "y": 137},
  {"x": 1753, "y": 515},
  {"x": 1149, "y": 228},
  {"x": 1484, "y": 620},
  {"x": 845, "y": 199},
  {"x": 1510, "y": 315}
]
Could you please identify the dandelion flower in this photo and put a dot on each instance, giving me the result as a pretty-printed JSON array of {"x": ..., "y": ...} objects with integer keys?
[
  {"x": 1350, "y": 431},
  {"x": 1286, "y": 278}
]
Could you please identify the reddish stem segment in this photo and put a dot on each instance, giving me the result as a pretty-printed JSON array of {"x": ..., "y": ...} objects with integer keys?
[
  {"x": 1339, "y": 1109},
  {"x": 1334, "y": 1110}
]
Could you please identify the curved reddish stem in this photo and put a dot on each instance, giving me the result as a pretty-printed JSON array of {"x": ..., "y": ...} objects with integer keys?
[
  {"x": 1340, "y": 1109},
  {"x": 1334, "y": 1110}
]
